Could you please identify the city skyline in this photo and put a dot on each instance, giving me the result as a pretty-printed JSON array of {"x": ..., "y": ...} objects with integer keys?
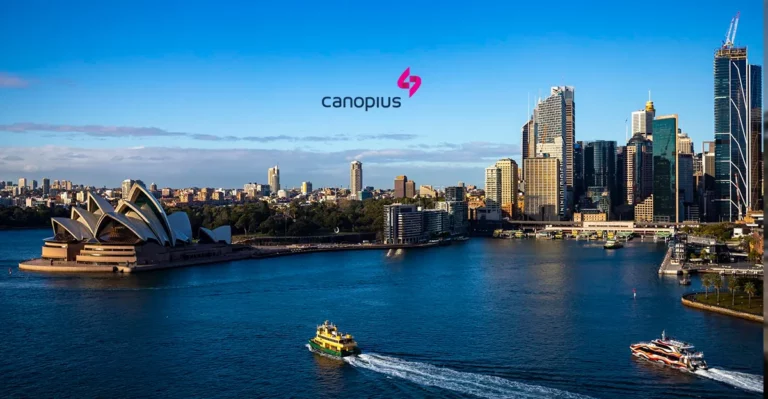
[{"x": 84, "y": 103}]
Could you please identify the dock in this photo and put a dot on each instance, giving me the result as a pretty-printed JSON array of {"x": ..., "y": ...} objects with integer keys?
[{"x": 669, "y": 266}]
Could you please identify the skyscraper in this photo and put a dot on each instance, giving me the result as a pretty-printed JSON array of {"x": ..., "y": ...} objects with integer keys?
[
  {"x": 454, "y": 193},
  {"x": 126, "y": 188},
  {"x": 555, "y": 125},
  {"x": 685, "y": 178},
  {"x": 33, "y": 185},
  {"x": 756, "y": 136},
  {"x": 736, "y": 93},
  {"x": 642, "y": 120},
  {"x": 508, "y": 183},
  {"x": 639, "y": 169},
  {"x": 665, "y": 194},
  {"x": 684, "y": 143},
  {"x": 23, "y": 183},
  {"x": 306, "y": 187},
  {"x": 579, "y": 189},
  {"x": 273, "y": 179},
  {"x": 707, "y": 207},
  {"x": 600, "y": 166},
  {"x": 356, "y": 177},
  {"x": 542, "y": 188},
  {"x": 410, "y": 189},
  {"x": 619, "y": 194},
  {"x": 400, "y": 186},
  {"x": 493, "y": 191},
  {"x": 46, "y": 186},
  {"x": 529, "y": 140}
]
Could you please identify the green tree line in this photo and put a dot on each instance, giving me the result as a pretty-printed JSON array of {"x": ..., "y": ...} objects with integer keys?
[
  {"x": 296, "y": 219},
  {"x": 14, "y": 217}
]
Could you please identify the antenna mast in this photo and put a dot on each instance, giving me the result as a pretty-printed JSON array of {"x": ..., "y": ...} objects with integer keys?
[{"x": 626, "y": 130}]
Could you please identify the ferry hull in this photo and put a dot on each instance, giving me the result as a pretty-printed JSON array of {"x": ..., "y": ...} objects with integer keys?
[
  {"x": 330, "y": 352},
  {"x": 637, "y": 352}
]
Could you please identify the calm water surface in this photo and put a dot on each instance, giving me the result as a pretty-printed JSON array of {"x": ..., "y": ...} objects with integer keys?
[{"x": 486, "y": 318}]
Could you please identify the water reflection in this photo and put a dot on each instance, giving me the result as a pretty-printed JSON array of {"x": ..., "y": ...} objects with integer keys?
[{"x": 329, "y": 375}]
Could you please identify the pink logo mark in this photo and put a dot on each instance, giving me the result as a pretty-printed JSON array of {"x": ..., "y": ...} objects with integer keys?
[{"x": 416, "y": 80}]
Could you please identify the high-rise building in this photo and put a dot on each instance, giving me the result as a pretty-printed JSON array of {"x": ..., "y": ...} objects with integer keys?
[
  {"x": 356, "y": 176},
  {"x": 33, "y": 185},
  {"x": 46, "y": 186},
  {"x": 529, "y": 140},
  {"x": 152, "y": 187},
  {"x": 642, "y": 120},
  {"x": 756, "y": 136},
  {"x": 644, "y": 210},
  {"x": 555, "y": 125},
  {"x": 126, "y": 188},
  {"x": 542, "y": 188},
  {"x": 427, "y": 191},
  {"x": 273, "y": 178},
  {"x": 23, "y": 182},
  {"x": 435, "y": 221},
  {"x": 639, "y": 169},
  {"x": 306, "y": 187},
  {"x": 684, "y": 143},
  {"x": 737, "y": 94},
  {"x": 455, "y": 193},
  {"x": 619, "y": 194},
  {"x": 600, "y": 166},
  {"x": 493, "y": 191},
  {"x": 698, "y": 164},
  {"x": 457, "y": 210},
  {"x": 685, "y": 178},
  {"x": 400, "y": 182},
  {"x": 665, "y": 193},
  {"x": 410, "y": 189},
  {"x": 508, "y": 184},
  {"x": 579, "y": 189}
]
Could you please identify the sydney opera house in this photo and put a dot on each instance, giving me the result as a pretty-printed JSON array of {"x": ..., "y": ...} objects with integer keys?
[{"x": 135, "y": 235}]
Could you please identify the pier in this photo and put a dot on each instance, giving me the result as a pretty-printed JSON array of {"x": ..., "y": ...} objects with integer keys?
[{"x": 670, "y": 265}]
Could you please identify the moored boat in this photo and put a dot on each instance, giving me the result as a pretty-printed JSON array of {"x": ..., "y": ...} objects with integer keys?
[
  {"x": 669, "y": 352},
  {"x": 331, "y": 342},
  {"x": 613, "y": 244}
]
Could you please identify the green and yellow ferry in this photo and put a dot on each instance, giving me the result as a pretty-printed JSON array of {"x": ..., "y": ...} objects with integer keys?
[{"x": 330, "y": 341}]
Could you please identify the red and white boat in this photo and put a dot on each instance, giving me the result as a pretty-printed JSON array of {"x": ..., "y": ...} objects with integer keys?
[{"x": 670, "y": 352}]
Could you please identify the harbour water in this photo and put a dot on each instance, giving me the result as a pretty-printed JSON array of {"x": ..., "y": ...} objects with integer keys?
[{"x": 485, "y": 318}]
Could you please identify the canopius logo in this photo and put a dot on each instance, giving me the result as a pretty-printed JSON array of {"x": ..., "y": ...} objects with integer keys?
[
  {"x": 415, "y": 80},
  {"x": 405, "y": 81}
]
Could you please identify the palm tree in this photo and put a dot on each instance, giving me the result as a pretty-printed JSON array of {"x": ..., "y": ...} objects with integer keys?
[
  {"x": 718, "y": 283},
  {"x": 750, "y": 289},
  {"x": 733, "y": 285},
  {"x": 706, "y": 281}
]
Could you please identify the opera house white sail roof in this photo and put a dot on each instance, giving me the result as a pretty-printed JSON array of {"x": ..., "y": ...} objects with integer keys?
[{"x": 137, "y": 220}]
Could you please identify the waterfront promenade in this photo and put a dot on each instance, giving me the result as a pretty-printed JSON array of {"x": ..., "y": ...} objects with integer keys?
[{"x": 240, "y": 253}]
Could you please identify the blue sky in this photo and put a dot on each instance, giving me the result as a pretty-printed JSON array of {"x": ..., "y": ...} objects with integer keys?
[{"x": 82, "y": 83}]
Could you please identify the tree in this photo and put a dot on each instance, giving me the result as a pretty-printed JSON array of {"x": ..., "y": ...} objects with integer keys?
[
  {"x": 749, "y": 289},
  {"x": 718, "y": 283},
  {"x": 733, "y": 285},
  {"x": 706, "y": 282}
]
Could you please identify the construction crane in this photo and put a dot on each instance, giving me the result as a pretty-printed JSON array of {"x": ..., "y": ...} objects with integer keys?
[{"x": 730, "y": 37}]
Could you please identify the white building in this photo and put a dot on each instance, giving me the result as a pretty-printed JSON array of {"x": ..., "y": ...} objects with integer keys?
[
  {"x": 273, "y": 178},
  {"x": 355, "y": 177},
  {"x": 493, "y": 192}
]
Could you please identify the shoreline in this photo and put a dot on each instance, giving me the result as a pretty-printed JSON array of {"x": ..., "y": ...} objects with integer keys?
[
  {"x": 42, "y": 265},
  {"x": 718, "y": 309}
]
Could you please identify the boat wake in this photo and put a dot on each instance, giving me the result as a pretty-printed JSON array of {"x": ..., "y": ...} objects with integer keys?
[
  {"x": 745, "y": 381},
  {"x": 484, "y": 386}
]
